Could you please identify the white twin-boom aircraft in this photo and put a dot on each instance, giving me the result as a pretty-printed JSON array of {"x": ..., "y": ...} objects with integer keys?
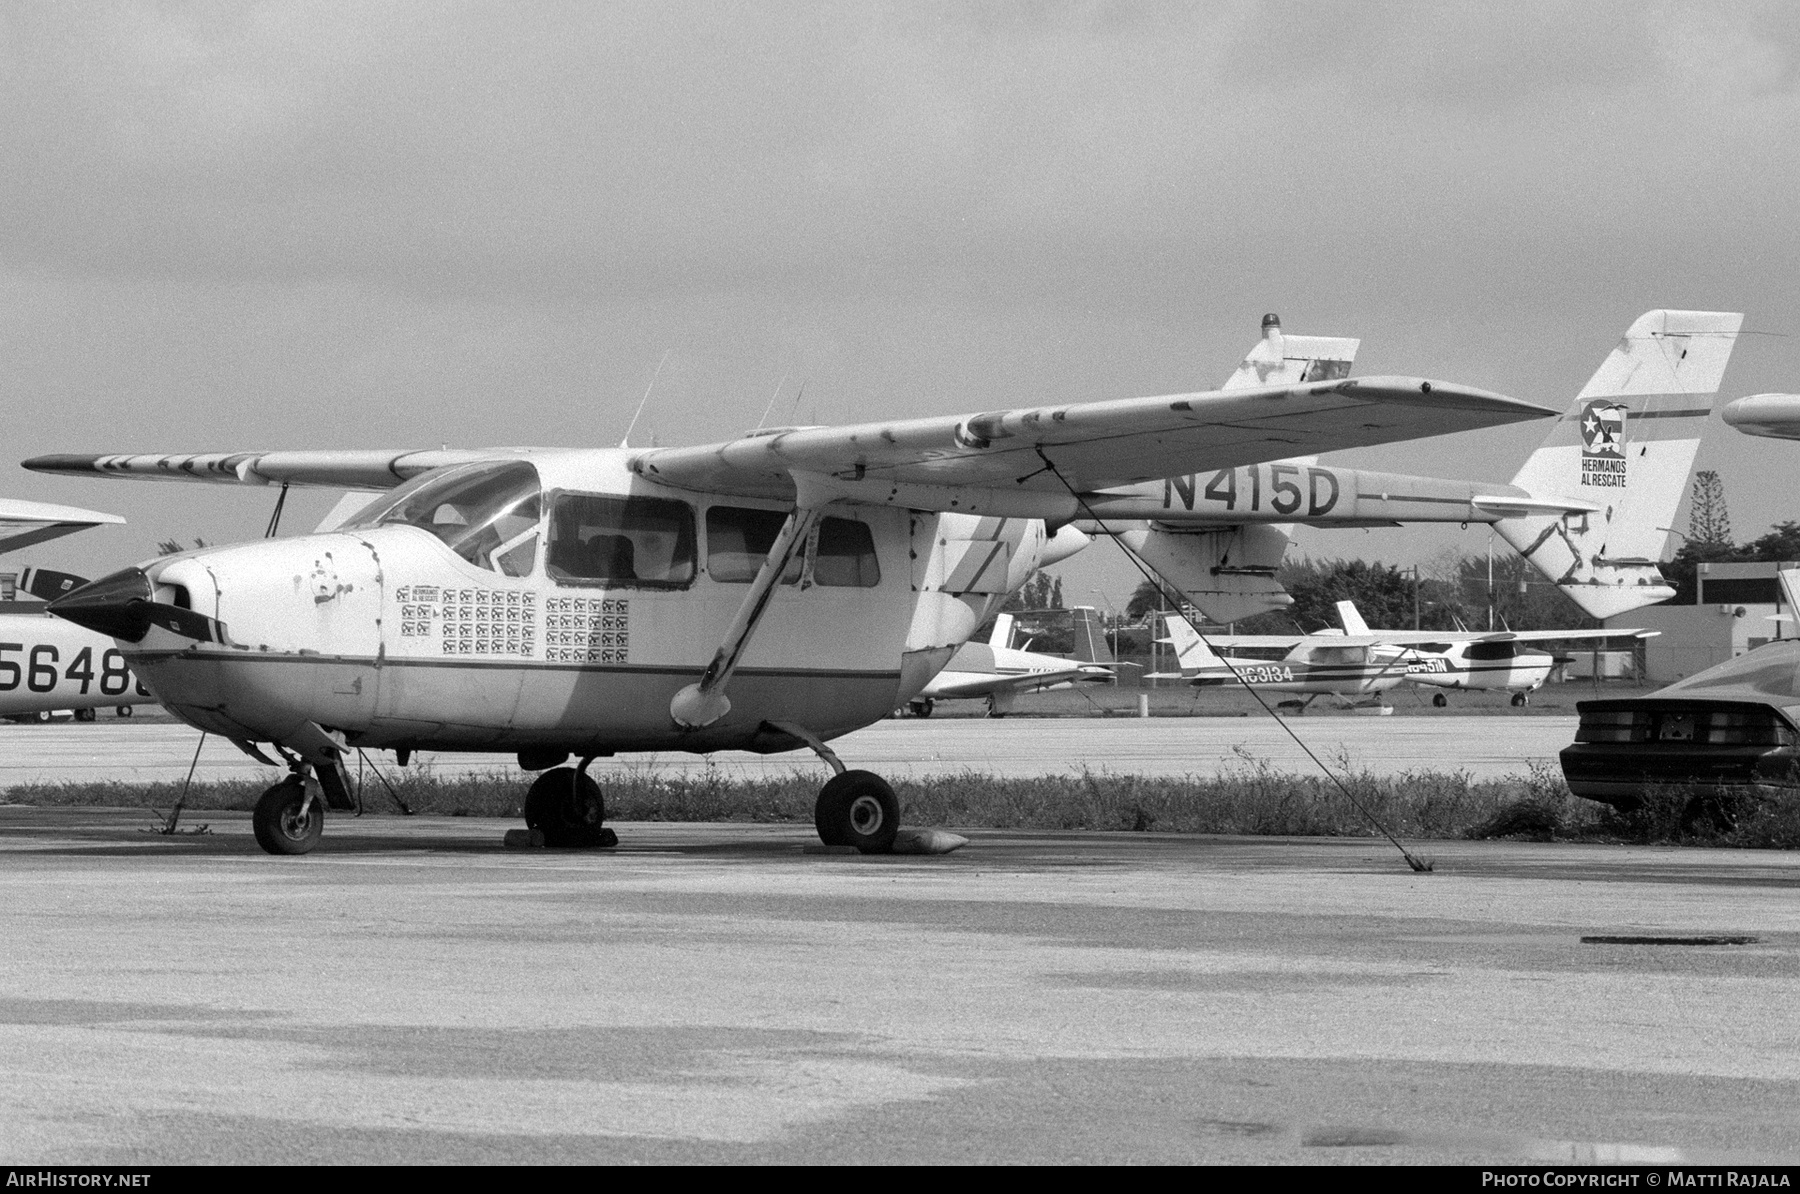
[{"x": 786, "y": 587}]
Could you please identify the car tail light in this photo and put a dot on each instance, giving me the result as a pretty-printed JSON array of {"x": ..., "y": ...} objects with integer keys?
[
  {"x": 1613, "y": 725},
  {"x": 1712, "y": 725},
  {"x": 1748, "y": 727}
]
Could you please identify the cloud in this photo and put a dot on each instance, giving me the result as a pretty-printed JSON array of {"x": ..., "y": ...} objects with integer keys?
[{"x": 606, "y": 153}]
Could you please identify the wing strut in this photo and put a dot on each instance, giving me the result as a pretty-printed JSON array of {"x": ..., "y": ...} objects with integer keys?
[{"x": 701, "y": 704}]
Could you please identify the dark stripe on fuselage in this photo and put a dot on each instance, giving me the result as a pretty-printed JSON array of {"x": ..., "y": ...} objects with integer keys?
[
  {"x": 495, "y": 665},
  {"x": 1691, "y": 412}
]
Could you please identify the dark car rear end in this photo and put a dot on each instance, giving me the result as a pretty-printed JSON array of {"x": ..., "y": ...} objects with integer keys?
[{"x": 1624, "y": 747}]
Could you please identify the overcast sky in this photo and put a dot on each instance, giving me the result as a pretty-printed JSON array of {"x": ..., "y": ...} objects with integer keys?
[{"x": 369, "y": 223}]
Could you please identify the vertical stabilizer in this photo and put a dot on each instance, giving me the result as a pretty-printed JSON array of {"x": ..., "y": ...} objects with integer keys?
[
  {"x": 1001, "y": 637},
  {"x": 1627, "y": 443},
  {"x": 1088, "y": 636},
  {"x": 1191, "y": 650},
  {"x": 1352, "y": 620}
]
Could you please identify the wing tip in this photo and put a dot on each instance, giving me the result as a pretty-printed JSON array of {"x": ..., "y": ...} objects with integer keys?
[{"x": 63, "y": 462}]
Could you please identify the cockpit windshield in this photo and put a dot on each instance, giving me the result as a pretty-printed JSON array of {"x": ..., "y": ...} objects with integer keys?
[{"x": 486, "y": 513}]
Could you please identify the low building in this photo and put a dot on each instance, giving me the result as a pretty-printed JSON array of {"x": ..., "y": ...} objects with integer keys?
[{"x": 1736, "y": 613}]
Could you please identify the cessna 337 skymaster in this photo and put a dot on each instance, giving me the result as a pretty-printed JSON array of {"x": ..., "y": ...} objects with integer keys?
[
  {"x": 1357, "y": 661},
  {"x": 47, "y": 663},
  {"x": 774, "y": 591}
]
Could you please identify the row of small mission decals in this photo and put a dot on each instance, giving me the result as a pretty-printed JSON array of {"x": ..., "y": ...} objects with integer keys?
[{"x": 500, "y": 622}]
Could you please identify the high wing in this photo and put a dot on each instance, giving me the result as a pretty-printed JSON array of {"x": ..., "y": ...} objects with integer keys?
[
  {"x": 25, "y": 523},
  {"x": 1017, "y": 461},
  {"x": 999, "y": 462},
  {"x": 334, "y": 468},
  {"x": 1411, "y": 637}
]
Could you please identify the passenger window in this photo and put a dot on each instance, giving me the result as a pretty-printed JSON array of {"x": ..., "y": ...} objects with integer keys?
[
  {"x": 738, "y": 541},
  {"x": 642, "y": 541},
  {"x": 845, "y": 556}
]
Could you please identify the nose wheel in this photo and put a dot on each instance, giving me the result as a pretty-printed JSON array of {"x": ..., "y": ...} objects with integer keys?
[
  {"x": 288, "y": 819},
  {"x": 566, "y": 806}
]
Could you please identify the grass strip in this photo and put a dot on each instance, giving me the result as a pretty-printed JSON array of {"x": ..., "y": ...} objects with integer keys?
[{"x": 1249, "y": 799}]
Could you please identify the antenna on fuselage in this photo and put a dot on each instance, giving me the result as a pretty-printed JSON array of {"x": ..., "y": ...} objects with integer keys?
[
  {"x": 626, "y": 442},
  {"x": 772, "y": 398}
]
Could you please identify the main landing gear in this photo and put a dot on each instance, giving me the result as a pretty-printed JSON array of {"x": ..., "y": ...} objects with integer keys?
[
  {"x": 855, "y": 808},
  {"x": 1439, "y": 699},
  {"x": 567, "y": 807},
  {"x": 1520, "y": 700}
]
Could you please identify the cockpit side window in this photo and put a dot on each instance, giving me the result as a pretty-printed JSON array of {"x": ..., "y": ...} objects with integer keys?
[
  {"x": 845, "y": 555},
  {"x": 486, "y": 513},
  {"x": 636, "y": 541},
  {"x": 738, "y": 540}
]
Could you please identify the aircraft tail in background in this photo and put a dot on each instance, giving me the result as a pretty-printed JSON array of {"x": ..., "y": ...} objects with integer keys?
[
  {"x": 1191, "y": 651},
  {"x": 1230, "y": 571},
  {"x": 1352, "y": 618},
  {"x": 1087, "y": 636},
  {"x": 1001, "y": 636},
  {"x": 1279, "y": 359},
  {"x": 1627, "y": 444}
]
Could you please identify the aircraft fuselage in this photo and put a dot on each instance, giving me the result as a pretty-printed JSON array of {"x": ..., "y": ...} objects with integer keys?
[
  {"x": 47, "y": 663},
  {"x": 563, "y": 607}
]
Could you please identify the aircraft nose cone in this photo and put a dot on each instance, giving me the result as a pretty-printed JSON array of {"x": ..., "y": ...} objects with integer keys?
[{"x": 117, "y": 605}]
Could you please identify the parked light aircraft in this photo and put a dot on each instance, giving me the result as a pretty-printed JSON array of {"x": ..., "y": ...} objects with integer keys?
[
  {"x": 1359, "y": 662},
  {"x": 48, "y": 663},
  {"x": 773, "y": 591},
  {"x": 1590, "y": 509},
  {"x": 997, "y": 672}
]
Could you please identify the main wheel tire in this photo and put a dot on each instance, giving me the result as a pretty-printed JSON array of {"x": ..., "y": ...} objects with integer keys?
[
  {"x": 279, "y": 826},
  {"x": 1439, "y": 699},
  {"x": 84, "y": 715},
  {"x": 122, "y": 711},
  {"x": 858, "y": 809},
  {"x": 567, "y": 807},
  {"x": 44, "y": 717},
  {"x": 1520, "y": 700},
  {"x": 921, "y": 708}
]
